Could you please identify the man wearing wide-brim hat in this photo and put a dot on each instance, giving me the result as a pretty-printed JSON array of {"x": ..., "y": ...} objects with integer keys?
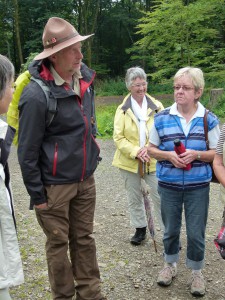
[{"x": 58, "y": 161}]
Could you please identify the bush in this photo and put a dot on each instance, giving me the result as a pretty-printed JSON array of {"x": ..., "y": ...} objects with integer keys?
[
  {"x": 117, "y": 87},
  {"x": 112, "y": 87},
  {"x": 105, "y": 119}
]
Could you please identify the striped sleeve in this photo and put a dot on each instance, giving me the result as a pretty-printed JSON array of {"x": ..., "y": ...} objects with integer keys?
[{"x": 219, "y": 147}]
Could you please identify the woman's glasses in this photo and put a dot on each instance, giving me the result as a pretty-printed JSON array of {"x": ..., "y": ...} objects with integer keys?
[
  {"x": 138, "y": 85},
  {"x": 185, "y": 88}
]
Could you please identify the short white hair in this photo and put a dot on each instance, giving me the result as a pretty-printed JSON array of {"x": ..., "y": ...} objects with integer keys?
[
  {"x": 195, "y": 74},
  {"x": 132, "y": 74}
]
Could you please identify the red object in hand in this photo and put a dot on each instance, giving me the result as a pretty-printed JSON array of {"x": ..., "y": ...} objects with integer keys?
[{"x": 180, "y": 148}]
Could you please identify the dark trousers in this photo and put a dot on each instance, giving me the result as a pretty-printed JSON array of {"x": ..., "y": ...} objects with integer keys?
[{"x": 68, "y": 221}]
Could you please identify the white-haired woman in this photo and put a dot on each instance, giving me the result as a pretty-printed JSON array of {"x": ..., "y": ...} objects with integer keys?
[
  {"x": 178, "y": 187},
  {"x": 133, "y": 120},
  {"x": 11, "y": 272}
]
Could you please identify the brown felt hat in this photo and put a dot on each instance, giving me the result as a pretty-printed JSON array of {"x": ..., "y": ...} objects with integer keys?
[{"x": 58, "y": 34}]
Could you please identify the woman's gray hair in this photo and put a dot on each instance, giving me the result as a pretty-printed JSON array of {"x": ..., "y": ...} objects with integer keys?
[
  {"x": 195, "y": 74},
  {"x": 132, "y": 74},
  {"x": 6, "y": 74}
]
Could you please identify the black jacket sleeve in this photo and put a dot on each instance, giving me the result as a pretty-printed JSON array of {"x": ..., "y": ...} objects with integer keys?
[{"x": 32, "y": 119}]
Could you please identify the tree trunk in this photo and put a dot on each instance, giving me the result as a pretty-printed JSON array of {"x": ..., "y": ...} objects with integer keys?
[
  {"x": 90, "y": 17},
  {"x": 17, "y": 31},
  {"x": 214, "y": 94}
]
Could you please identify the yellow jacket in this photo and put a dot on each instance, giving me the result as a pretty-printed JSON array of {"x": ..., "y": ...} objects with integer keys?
[{"x": 126, "y": 134}]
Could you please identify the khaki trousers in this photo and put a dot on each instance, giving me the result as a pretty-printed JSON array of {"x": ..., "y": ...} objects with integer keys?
[
  {"x": 136, "y": 201},
  {"x": 68, "y": 221}
]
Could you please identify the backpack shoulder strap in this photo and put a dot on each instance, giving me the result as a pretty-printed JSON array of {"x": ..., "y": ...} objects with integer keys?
[
  {"x": 51, "y": 100},
  {"x": 206, "y": 128}
]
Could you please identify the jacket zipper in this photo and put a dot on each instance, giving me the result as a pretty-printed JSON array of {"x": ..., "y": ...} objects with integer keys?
[
  {"x": 84, "y": 144},
  {"x": 55, "y": 160}
]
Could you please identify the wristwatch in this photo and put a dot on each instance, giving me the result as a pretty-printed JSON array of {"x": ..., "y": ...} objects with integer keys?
[{"x": 198, "y": 155}]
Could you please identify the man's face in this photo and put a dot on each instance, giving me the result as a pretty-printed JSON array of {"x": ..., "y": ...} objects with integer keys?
[{"x": 68, "y": 60}]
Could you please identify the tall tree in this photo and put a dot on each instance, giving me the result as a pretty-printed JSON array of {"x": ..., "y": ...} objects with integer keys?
[
  {"x": 6, "y": 26},
  {"x": 87, "y": 21},
  {"x": 17, "y": 31},
  {"x": 115, "y": 33},
  {"x": 176, "y": 34}
]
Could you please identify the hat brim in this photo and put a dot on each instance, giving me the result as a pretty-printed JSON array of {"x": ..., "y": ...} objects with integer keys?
[{"x": 49, "y": 51}]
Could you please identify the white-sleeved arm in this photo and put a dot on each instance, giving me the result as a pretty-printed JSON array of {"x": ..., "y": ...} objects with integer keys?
[
  {"x": 213, "y": 136},
  {"x": 154, "y": 137}
]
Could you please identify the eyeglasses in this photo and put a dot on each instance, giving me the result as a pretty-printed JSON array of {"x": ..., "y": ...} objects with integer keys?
[
  {"x": 183, "y": 87},
  {"x": 138, "y": 85}
]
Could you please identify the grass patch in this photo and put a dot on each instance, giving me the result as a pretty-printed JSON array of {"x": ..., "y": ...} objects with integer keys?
[
  {"x": 112, "y": 87},
  {"x": 105, "y": 119},
  {"x": 117, "y": 87}
]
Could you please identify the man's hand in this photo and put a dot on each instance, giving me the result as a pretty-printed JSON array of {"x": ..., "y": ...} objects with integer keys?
[{"x": 41, "y": 206}]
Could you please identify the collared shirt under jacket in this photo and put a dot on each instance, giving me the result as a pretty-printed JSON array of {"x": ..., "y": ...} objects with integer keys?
[{"x": 66, "y": 151}]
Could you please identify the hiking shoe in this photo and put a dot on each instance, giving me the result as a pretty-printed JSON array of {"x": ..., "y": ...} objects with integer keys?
[
  {"x": 197, "y": 284},
  {"x": 167, "y": 274},
  {"x": 139, "y": 236}
]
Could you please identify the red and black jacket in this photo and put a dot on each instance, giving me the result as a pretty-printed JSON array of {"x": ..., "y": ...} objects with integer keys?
[{"x": 66, "y": 151}]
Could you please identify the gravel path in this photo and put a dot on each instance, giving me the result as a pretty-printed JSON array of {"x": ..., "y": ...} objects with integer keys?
[{"x": 128, "y": 272}]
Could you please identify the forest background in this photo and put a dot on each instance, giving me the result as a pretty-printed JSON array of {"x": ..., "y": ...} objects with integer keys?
[{"x": 160, "y": 36}]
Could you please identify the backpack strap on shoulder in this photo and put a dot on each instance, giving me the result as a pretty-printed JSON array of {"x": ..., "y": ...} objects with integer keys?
[
  {"x": 205, "y": 121},
  {"x": 50, "y": 99}
]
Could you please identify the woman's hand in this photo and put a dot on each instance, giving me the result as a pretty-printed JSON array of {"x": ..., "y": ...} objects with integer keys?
[
  {"x": 176, "y": 160},
  {"x": 189, "y": 156},
  {"x": 143, "y": 155}
]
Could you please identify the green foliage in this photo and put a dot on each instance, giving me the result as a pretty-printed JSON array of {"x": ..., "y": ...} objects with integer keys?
[
  {"x": 160, "y": 36},
  {"x": 219, "y": 107},
  {"x": 110, "y": 87},
  {"x": 101, "y": 70},
  {"x": 6, "y": 28},
  {"x": 175, "y": 35},
  {"x": 117, "y": 87},
  {"x": 215, "y": 79},
  {"x": 161, "y": 88},
  {"x": 33, "y": 17},
  {"x": 105, "y": 119},
  {"x": 115, "y": 33},
  {"x": 29, "y": 59},
  {"x": 167, "y": 102}
]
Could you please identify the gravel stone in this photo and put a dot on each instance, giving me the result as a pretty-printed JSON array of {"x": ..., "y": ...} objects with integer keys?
[{"x": 128, "y": 272}]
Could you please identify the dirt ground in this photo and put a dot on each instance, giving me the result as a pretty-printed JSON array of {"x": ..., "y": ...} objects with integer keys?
[{"x": 128, "y": 272}]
